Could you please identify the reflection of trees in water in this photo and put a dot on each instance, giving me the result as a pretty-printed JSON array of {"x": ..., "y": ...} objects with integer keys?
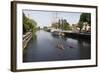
[
  {"x": 60, "y": 41},
  {"x": 85, "y": 48},
  {"x": 34, "y": 36},
  {"x": 62, "y": 38}
]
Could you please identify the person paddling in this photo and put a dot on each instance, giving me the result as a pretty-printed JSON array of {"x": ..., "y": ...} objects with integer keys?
[{"x": 60, "y": 46}]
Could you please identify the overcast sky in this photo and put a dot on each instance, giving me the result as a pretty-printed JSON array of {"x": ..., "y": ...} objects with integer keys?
[{"x": 45, "y": 18}]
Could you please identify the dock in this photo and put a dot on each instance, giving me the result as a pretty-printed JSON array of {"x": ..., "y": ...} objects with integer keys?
[{"x": 26, "y": 38}]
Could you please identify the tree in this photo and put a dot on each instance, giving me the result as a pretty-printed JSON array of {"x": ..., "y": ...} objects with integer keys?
[
  {"x": 64, "y": 25},
  {"x": 80, "y": 25},
  {"x": 25, "y": 26},
  {"x": 55, "y": 25},
  {"x": 61, "y": 24},
  {"x": 28, "y": 24},
  {"x": 84, "y": 17}
]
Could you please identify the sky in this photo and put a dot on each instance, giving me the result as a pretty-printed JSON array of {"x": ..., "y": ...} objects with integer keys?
[{"x": 45, "y": 18}]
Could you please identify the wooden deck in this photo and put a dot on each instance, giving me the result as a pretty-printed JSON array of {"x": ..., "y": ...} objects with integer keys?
[{"x": 26, "y": 39}]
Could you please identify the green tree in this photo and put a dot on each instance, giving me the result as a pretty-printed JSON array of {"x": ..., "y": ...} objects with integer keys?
[
  {"x": 25, "y": 24},
  {"x": 80, "y": 25},
  {"x": 84, "y": 17},
  {"x": 55, "y": 25},
  {"x": 63, "y": 24},
  {"x": 28, "y": 24}
]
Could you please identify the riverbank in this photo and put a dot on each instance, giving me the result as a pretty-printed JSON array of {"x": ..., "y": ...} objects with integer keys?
[
  {"x": 73, "y": 34},
  {"x": 79, "y": 35}
]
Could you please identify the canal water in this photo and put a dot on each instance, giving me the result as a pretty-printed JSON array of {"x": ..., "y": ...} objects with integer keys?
[{"x": 43, "y": 47}]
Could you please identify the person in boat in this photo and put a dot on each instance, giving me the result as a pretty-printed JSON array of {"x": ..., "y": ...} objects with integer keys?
[{"x": 60, "y": 46}]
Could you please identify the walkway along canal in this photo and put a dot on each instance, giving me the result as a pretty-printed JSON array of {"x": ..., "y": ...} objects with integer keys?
[
  {"x": 43, "y": 47},
  {"x": 26, "y": 39}
]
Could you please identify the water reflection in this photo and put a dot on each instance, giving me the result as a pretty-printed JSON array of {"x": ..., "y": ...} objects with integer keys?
[{"x": 44, "y": 48}]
